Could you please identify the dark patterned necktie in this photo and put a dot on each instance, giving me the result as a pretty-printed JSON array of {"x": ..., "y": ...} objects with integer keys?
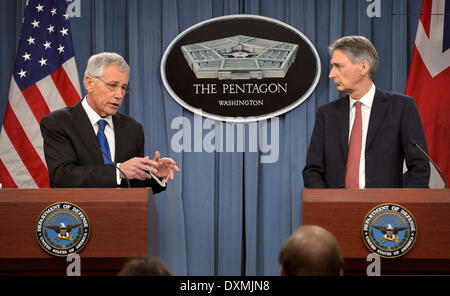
[{"x": 102, "y": 141}]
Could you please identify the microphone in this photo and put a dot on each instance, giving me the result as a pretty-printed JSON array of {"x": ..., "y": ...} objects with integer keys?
[
  {"x": 413, "y": 143},
  {"x": 113, "y": 163}
]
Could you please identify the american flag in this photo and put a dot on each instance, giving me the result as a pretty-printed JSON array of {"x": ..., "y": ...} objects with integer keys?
[{"x": 45, "y": 78}]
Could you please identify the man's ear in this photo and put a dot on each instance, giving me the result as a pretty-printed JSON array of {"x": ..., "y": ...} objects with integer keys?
[
  {"x": 282, "y": 273},
  {"x": 365, "y": 67},
  {"x": 89, "y": 83}
]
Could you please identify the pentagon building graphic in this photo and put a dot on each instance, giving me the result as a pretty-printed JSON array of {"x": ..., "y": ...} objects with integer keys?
[{"x": 240, "y": 57}]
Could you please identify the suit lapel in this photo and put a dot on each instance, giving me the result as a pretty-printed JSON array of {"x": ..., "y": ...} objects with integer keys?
[
  {"x": 86, "y": 131},
  {"x": 118, "y": 134},
  {"x": 379, "y": 109},
  {"x": 343, "y": 123}
]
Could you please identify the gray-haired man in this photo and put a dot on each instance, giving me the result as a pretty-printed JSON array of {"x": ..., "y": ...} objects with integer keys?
[{"x": 73, "y": 136}]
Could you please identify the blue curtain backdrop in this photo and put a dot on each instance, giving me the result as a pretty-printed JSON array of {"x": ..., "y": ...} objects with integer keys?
[{"x": 226, "y": 213}]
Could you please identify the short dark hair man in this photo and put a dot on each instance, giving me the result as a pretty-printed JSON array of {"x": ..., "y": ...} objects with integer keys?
[{"x": 361, "y": 140}]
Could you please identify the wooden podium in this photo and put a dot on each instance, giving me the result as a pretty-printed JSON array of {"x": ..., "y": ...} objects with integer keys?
[
  {"x": 123, "y": 224},
  {"x": 342, "y": 211}
]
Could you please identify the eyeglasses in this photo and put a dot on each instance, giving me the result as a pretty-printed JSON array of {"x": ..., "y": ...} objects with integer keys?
[{"x": 113, "y": 86}]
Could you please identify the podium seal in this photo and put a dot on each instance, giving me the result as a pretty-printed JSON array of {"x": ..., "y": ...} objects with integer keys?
[
  {"x": 62, "y": 229},
  {"x": 389, "y": 230}
]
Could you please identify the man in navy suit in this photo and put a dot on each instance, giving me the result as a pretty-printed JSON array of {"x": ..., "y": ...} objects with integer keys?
[
  {"x": 71, "y": 135},
  {"x": 388, "y": 122}
]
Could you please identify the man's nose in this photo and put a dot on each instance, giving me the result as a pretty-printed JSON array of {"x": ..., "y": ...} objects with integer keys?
[
  {"x": 118, "y": 93},
  {"x": 331, "y": 75}
]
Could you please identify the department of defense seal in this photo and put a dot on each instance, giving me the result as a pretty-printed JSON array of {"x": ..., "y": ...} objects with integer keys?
[
  {"x": 389, "y": 230},
  {"x": 62, "y": 229}
]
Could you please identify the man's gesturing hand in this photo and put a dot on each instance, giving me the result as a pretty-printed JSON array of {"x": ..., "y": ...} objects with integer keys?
[
  {"x": 165, "y": 167},
  {"x": 138, "y": 168}
]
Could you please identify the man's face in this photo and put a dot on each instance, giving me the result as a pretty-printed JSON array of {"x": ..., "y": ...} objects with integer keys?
[
  {"x": 105, "y": 94},
  {"x": 346, "y": 76}
]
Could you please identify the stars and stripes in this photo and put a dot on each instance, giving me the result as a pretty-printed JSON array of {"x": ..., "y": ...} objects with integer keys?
[{"x": 44, "y": 79}]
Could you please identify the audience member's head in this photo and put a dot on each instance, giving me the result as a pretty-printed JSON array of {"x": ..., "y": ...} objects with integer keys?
[
  {"x": 146, "y": 266},
  {"x": 311, "y": 250}
]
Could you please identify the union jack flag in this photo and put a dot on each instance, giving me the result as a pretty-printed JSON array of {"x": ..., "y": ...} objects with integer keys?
[{"x": 429, "y": 80}]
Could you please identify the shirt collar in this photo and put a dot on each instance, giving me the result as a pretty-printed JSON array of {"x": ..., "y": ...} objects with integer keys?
[
  {"x": 93, "y": 116},
  {"x": 367, "y": 99}
]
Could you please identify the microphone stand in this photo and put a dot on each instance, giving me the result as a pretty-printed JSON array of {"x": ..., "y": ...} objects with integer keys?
[
  {"x": 413, "y": 143},
  {"x": 114, "y": 164}
]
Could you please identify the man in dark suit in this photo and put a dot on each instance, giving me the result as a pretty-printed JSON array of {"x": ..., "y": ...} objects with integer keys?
[
  {"x": 361, "y": 140},
  {"x": 73, "y": 136}
]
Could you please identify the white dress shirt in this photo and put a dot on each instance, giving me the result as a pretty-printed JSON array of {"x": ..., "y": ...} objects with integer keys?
[
  {"x": 109, "y": 131},
  {"x": 366, "y": 106}
]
